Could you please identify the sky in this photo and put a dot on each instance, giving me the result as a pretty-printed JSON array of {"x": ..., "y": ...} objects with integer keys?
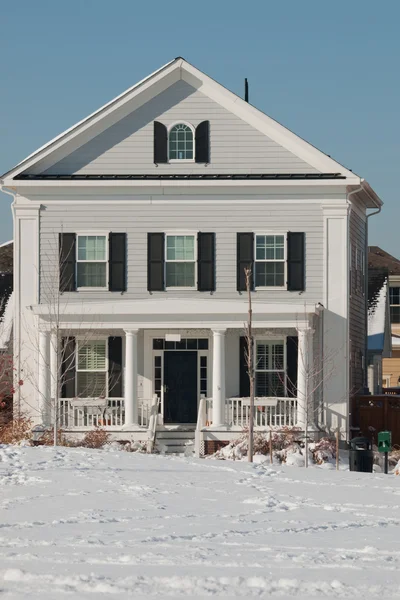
[{"x": 327, "y": 70}]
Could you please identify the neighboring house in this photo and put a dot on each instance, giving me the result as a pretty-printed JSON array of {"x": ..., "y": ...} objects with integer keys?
[
  {"x": 133, "y": 229},
  {"x": 378, "y": 258},
  {"x": 379, "y": 333}
]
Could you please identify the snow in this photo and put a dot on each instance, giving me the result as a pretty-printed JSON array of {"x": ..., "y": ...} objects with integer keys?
[
  {"x": 86, "y": 523},
  {"x": 376, "y": 319}
]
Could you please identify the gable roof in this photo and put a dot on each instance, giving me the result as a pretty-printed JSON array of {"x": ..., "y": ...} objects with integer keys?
[
  {"x": 378, "y": 258},
  {"x": 154, "y": 84},
  {"x": 378, "y": 314}
]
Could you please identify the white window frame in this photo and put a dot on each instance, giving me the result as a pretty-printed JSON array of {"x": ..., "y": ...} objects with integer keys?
[
  {"x": 86, "y": 234},
  {"x": 284, "y": 260},
  {"x": 83, "y": 341},
  {"x": 184, "y": 234},
  {"x": 271, "y": 340},
  {"x": 397, "y": 285},
  {"x": 182, "y": 160}
]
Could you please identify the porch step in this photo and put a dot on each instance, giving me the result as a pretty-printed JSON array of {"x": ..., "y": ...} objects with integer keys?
[{"x": 170, "y": 441}]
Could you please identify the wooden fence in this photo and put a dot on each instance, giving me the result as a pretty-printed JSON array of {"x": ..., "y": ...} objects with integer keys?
[{"x": 371, "y": 414}]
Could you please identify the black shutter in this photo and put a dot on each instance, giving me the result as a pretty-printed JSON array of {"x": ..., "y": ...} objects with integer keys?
[
  {"x": 295, "y": 262},
  {"x": 206, "y": 262},
  {"x": 202, "y": 142},
  {"x": 115, "y": 384},
  {"x": 155, "y": 262},
  {"x": 160, "y": 143},
  {"x": 245, "y": 258},
  {"x": 117, "y": 262},
  {"x": 244, "y": 381},
  {"x": 291, "y": 365},
  {"x": 68, "y": 370},
  {"x": 67, "y": 258}
]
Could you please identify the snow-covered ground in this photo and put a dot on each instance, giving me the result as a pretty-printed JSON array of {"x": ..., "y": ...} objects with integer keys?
[{"x": 92, "y": 524}]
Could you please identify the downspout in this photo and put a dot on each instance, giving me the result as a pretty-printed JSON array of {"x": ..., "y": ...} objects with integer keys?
[{"x": 13, "y": 194}]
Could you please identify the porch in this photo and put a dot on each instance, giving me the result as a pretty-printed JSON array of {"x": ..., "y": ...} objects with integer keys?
[{"x": 111, "y": 376}]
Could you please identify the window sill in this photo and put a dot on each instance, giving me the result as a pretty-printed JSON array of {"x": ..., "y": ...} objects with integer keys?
[
  {"x": 181, "y": 160},
  {"x": 277, "y": 288},
  {"x": 181, "y": 289}
]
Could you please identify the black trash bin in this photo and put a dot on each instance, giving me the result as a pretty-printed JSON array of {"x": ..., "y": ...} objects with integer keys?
[{"x": 361, "y": 455}]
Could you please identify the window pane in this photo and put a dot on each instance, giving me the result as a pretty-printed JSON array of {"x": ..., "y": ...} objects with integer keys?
[
  {"x": 91, "y": 385},
  {"x": 92, "y": 355},
  {"x": 262, "y": 358},
  {"x": 270, "y": 274},
  {"x": 270, "y": 247},
  {"x": 180, "y": 274},
  {"x": 394, "y": 295},
  {"x": 91, "y": 247},
  {"x": 277, "y": 356},
  {"x": 203, "y": 344},
  {"x": 180, "y": 247},
  {"x": 270, "y": 384},
  {"x": 92, "y": 274},
  {"x": 395, "y": 314}
]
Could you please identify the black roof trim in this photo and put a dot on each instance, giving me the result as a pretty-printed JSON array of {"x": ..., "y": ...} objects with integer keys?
[{"x": 183, "y": 177}]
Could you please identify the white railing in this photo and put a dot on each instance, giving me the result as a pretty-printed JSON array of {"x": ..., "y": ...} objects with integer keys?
[
  {"x": 89, "y": 412},
  {"x": 268, "y": 412}
]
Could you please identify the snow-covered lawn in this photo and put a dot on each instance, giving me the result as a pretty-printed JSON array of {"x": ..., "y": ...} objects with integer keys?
[{"x": 92, "y": 523}]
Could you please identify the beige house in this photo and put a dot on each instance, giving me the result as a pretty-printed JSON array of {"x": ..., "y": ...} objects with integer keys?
[{"x": 378, "y": 259}]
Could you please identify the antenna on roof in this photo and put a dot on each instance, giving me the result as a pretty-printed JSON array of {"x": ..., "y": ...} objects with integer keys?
[{"x": 246, "y": 90}]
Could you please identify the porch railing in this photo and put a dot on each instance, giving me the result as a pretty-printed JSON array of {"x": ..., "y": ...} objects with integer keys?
[
  {"x": 268, "y": 412},
  {"x": 84, "y": 412}
]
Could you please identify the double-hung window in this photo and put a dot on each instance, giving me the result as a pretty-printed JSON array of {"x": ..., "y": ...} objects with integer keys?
[
  {"x": 91, "y": 369},
  {"x": 270, "y": 368},
  {"x": 181, "y": 142},
  {"x": 91, "y": 261},
  {"x": 394, "y": 295},
  {"x": 270, "y": 257},
  {"x": 180, "y": 264}
]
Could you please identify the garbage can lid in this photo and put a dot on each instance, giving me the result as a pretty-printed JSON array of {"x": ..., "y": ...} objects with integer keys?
[{"x": 360, "y": 443}]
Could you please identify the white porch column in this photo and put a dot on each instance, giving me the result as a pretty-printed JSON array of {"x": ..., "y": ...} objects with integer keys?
[
  {"x": 54, "y": 374},
  {"x": 44, "y": 376},
  {"x": 131, "y": 367},
  {"x": 218, "y": 387},
  {"x": 305, "y": 405}
]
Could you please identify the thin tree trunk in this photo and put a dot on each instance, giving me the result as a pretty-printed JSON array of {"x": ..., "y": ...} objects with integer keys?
[{"x": 250, "y": 365}]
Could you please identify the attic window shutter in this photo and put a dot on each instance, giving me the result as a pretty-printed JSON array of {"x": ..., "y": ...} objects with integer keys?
[
  {"x": 244, "y": 381},
  {"x": 245, "y": 258},
  {"x": 296, "y": 262},
  {"x": 68, "y": 370},
  {"x": 291, "y": 365},
  {"x": 117, "y": 262},
  {"x": 206, "y": 262},
  {"x": 67, "y": 258},
  {"x": 155, "y": 262},
  {"x": 202, "y": 142},
  {"x": 160, "y": 143},
  {"x": 115, "y": 384}
]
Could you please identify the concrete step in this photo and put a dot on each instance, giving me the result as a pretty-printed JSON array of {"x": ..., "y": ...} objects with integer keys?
[
  {"x": 164, "y": 434},
  {"x": 174, "y": 442}
]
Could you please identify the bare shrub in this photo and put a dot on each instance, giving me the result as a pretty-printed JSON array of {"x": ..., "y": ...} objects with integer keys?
[
  {"x": 16, "y": 431},
  {"x": 96, "y": 438},
  {"x": 323, "y": 450},
  {"x": 47, "y": 439}
]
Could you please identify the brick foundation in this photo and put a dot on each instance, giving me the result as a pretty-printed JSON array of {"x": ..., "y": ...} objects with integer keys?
[{"x": 211, "y": 446}]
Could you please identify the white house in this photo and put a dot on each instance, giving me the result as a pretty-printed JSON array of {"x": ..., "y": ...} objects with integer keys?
[{"x": 132, "y": 230}]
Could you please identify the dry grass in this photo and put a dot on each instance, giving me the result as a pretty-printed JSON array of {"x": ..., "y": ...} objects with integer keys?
[
  {"x": 16, "y": 431},
  {"x": 97, "y": 438}
]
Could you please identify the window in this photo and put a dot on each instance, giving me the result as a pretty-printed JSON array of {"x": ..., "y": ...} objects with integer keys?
[
  {"x": 270, "y": 261},
  {"x": 394, "y": 295},
  {"x": 92, "y": 369},
  {"x": 92, "y": 261},
  {"x": 270, "y": 368},
  {"x": 181, "y": 142},
  {"x": 180, "y": 265}
]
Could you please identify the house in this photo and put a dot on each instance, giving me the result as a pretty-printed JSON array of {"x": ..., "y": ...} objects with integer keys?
[
  {"x": 379, "y": 259},
  {"x": 379, "y": 333},
  {"x": 132, "y": 232}
]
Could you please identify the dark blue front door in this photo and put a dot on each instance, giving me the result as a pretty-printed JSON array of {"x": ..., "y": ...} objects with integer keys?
[{"x": 180, "y": 381}]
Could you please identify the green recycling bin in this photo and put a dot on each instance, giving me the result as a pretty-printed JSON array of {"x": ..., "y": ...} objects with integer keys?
[{"x": 361, "y": 455}]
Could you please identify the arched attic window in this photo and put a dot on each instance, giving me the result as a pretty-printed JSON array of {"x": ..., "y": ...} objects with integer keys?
[{"x": 180, "y": 142}]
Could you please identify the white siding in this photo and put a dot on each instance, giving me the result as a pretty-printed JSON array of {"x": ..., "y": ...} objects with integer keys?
[
  {"x": 127, "y": 146},
  {"x": 225, "y": 218}
]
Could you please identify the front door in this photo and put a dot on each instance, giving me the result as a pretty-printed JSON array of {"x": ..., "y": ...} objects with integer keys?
[{"x": 180, "y": 391}]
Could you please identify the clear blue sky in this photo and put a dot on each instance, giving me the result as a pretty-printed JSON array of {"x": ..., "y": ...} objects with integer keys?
[{"x": 327, "y": 70}]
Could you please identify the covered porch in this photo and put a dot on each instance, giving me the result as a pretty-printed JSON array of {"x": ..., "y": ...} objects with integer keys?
[{"x": 190, "y": 366}]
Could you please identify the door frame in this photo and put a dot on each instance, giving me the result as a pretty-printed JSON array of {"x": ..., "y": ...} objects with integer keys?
[{"x": 149, "y": 358}]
